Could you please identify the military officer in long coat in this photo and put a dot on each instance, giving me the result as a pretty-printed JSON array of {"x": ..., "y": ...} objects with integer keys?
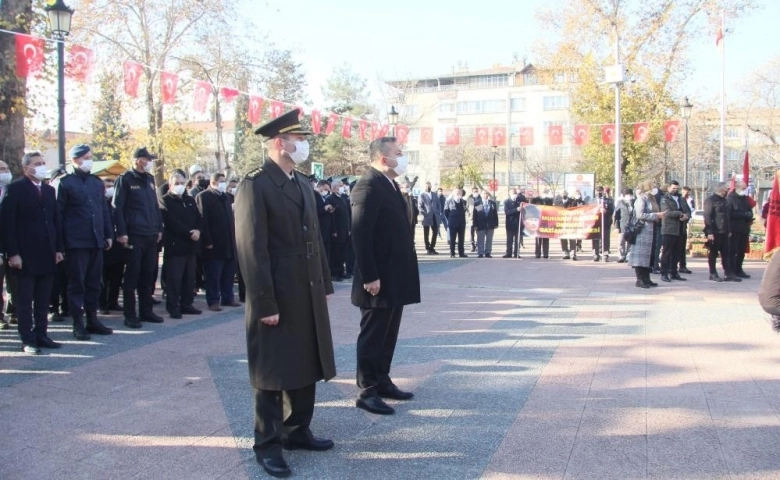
[{"x": 282, "y": 257}]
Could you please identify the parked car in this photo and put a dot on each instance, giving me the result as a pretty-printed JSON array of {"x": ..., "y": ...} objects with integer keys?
[{"x": 698, "y": 216}]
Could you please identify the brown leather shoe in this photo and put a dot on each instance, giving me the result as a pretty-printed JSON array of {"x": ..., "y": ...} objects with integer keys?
[{"x": 215, "y": 308}]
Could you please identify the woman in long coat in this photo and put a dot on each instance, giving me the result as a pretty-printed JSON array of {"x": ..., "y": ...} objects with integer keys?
[{"x": 649, "y": 214}]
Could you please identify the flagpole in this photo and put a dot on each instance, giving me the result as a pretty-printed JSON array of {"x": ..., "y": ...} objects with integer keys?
[{"x": 722, "y": 100}]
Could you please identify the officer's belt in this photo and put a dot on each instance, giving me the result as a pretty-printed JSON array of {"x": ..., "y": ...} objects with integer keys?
[{"x": 297, "y": 251}]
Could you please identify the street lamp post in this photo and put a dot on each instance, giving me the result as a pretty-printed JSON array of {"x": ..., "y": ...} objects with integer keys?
[
  {"x": 494, "y": 185},
  {"x": 686, "y": 109},
  {"x": 59, "y": 20},
  {"x": 393, "y": 119}
]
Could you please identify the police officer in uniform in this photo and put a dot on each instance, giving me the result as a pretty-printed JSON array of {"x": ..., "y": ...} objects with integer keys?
[
  {"x": 138, "y": 228},
  {"x": 282, "y": 255}
]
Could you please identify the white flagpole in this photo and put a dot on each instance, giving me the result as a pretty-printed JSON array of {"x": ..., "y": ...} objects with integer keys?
[{"x": 722, "y": 99}]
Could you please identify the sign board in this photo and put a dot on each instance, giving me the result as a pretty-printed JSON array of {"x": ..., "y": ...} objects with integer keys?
[
  {"x": 318, "y": 170},
  {"x": 584, "y": 182}
]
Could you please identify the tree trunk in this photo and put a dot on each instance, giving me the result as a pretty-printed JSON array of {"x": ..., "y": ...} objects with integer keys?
[{"x": 13, "y": 90}]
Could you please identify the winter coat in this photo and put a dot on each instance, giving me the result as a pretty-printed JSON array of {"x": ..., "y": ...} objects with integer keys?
[
  {"x": 671, "y": 223},
  {"x": 647, "y": 211}
]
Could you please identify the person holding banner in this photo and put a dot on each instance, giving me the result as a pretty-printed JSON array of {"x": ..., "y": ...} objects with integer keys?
[
  {"x": 568, "y": 246},
  {"x": 649, "y": 214},
  {"x": 512, "y": 208},
  {"x": 542, "y": 248},
  {"x": 601, "y": 244}
]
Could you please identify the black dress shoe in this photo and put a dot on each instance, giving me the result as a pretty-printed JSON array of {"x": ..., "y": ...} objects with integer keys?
[
  {"x": 509, "y": 256},
  {"x": 46, "y": 342},
  {"x": 190, "y": 310},
  {"x": 641, "y": 284},
  {"x": 433, "y": 252},
  {"x": 463, "y": 256},
  {"x": 151, "y": 318},
  {"x": 665, "y": 278},
  {"x": 394, "y": 392},
  {"x": 452, "y": 255},
  {"x": 310, "y": 443},
  {"x": 656, "y": 271},
  {"x": 132, "y": 322},
  {"x": 480, "y": 256},
  {"x": 742, "y": 275},
  {"x": 685, "y": 270},
  {"x": 715, "y": 277},
  {"x": 676, "y": 276},
  {"x": 374, "y": 404},
  {"x": 731, "y": 278},
  {"x": 275, "y": 467},
  {"x": 175, "y": 315},
  {"x": 488, "y": 256},
  {"x": 155, "y": 301}
]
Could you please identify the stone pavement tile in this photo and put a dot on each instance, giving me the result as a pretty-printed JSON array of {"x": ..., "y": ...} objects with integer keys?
[
  {"x": 533, "y": 448},
  {"x": 31, "y": 462},
  {"x": 614, "y": 422},
  {"x": 750, "y": 451},
  {"x": 603, "y": 457}
]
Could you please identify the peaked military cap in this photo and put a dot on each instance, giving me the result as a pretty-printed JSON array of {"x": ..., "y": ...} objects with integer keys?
[{"x": 287, "y": 123}]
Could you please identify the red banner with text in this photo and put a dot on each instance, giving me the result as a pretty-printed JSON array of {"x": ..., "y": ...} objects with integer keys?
[{"x": 545, "y": 221}]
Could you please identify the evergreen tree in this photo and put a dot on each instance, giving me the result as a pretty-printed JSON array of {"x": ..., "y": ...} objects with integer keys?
[{"x": 109, "y": 132}]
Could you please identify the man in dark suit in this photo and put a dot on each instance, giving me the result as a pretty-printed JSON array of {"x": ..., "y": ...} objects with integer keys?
[
  {"x": 386, "y": 272},
  {"x": 455, "y": 213},
  {"x": 33, "y": 243},
  {"x": 218, "y": 239},
  {"x": 340, "y": 233},
  {"x": 676, "y": 214},
  {"x": 512, "y": 211},
  {"x": 324, "y": 214},
  {"x": 280, "y": 251},
  {"x": 87, "y": 230},
  {"x": 485, "y": 217},
  {"x": 568, "y": 246},
  {"x": 113, "y": 263}
]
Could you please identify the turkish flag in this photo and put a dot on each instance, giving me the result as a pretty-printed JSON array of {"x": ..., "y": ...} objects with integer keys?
[
  {"x": 29, "y": 55},
  {"x": 426, "y": 136},
  {"x": 169, "y": 82},
  {"x": 772, "y": 240},
  {"x": 499, "y": 136},
  {"x": 254, "y": 109},
  {"x": 670, "y": 130},
  {"x": 526, "y": 136},
  {"x": 581, "y": 135},
  {"x": 277, "y": 108},
  {"x": 481, "y": 136},
  {"x": 555, "y": 134},
  {"x": 383, "y": 131},
  {"x": 362, "y": 126},
  {"x": 332, "y": 119},
  {"x": 346, "y": 128},
  {"x": 402, "y": 134},
  {"x": 229, "y": 94},
  {"x": 641, "y": 132},
  {"x": 79, "y": 66},
  {"x": 373, "y": 131},
  {"x": 301, "y": 113},
  {"x": 453, "y": 136},
  {"x": 316, "y": 122},
  {"x": 133, "y": 73},
  {"x": 201, "y": 96},
  {"x": 608, "y": 134}
]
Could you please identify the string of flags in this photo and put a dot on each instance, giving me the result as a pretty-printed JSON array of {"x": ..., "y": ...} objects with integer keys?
[{"x": 81, "y": 61}]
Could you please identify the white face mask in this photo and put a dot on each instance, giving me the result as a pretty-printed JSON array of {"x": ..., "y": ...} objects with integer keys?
[
  {"x": 741, "y": 192},
  {"x": 324, "y": 193},
  {"x": 475, "y": 195},
  {"x": 222, "y": 186},
  {"x": 110, "y": 192},
  {"x": 403, "y": 162},
  {"x": 5, "y": 178},
  {"x": 301, "y": 153},
  {"x": 576, "y": 197},
  {"x": 654, "y": 191},
  {"x": 40, "y": 172},
  {"x": 86, "y": 165},
  {"x": 178, "y": 190},
  {"x": 149, "y": 168},
  {"x": 343, "y": 190},
  {"x": 627, "y": 198},
  {"x": 233, "y": 190}
]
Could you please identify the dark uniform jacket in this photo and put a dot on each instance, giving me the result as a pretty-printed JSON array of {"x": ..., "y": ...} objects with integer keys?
[
  {"x": 609, "y": 210},
  {"x": 325, "y": 218},
  {"x": 716, "y": 215},
  {"x": 86, "y": 217},
  {"x": 411, "y": 208},
  {"x": 180, "y": 217},
  {"x": 568, "y": 202},
  {"x": 340, "y": 225},
  {"x": 541, "y": 201},
  {"x": 32, "y": 228},
  {"x": 115, "y": 254},
  {"x": 482, "y": 220},
  {"x": 282, "y": 259},
  {"x": 671, "y": 223},
  {"x": 455, "y": 212},
  {"x": 741, "y": 214},
  {"x": 512, "y": 214},
  {"x": 136, "y": 206},
  {"x": 218, "y": 226},
  {"x": 383, "y": 245}
]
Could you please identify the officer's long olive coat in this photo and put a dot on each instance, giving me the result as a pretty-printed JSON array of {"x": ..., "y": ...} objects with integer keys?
[{"x": 282, "y": 260}]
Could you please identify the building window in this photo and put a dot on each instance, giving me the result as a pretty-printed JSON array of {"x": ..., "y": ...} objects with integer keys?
[
  {"x": 732, "y": 133},
  {"x": 487, "y": 81},
  {"x": 469, "y": 107},
  {"x": 517, "y": 104},
  {"x": 486, "y": 106},
  {"x": 530, "y": 78},
  {"x": 732, "y": 154},
  {"x": 411, "y": 111},
  {"x": 413, "y": 156},
  {"x": 558, "y": 102},
  {"x": 447, "y": 107}
]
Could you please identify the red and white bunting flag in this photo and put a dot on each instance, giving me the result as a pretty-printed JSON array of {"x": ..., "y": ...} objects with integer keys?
[
  {"x": 201, "y": 96},
  {"x": 499, "y": 136},
  {"x": 332, "y": 119},
  {"x": 277, "y": 108},
  {"x": 402, "y": 134},
  {"x": 426, "y": 136},
  {"x": 301, "y": 112},
  {"x": 362, "y": 127},
  {"x": 316, "y": 122},
  {"x": 133, "y": 71},
  {"x": 80, "y": 63},
  {"x": 608, "y": 134},
  {"x": 346, "y": 128},
  {"x": 671, "y": 128},
  {"x": 255, "y": 109},
  {"x": 581, "y": 135},
  {"x": 641, "y": 132},
  {"x": 169, "y": 83},
  {"x": 526, "y": 136},
  {"x": 555, "y": 135},
  {"x": 29, "y": 55},
  {"x": 229, "y": 94},
  {"x": 481, "y": 136},
  {"x": 453, "y": 136},
  {"x": 383, "y": 131},
  {"x": 373, "y": 131}
]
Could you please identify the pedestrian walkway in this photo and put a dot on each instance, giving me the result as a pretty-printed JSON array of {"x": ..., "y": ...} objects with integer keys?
[{"x": 521, "y": 369}]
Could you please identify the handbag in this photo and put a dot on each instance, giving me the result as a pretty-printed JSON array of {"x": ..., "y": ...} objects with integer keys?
[{"x": 632, "y": 229}]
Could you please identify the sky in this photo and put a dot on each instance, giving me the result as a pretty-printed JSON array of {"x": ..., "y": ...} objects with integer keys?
[{"x": 411, "y": 38}]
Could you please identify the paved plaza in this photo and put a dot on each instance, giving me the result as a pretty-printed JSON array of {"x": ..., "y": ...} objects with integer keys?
[{"x": 520, "y": 368}]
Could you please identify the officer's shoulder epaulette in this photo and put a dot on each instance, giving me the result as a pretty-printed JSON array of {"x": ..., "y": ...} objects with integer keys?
[{"x": 255, "y": 173}]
